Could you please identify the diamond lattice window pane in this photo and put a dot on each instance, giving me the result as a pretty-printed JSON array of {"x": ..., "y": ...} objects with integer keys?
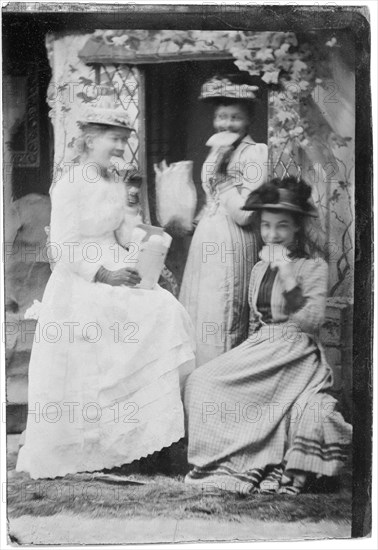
[{"x": 126, "y": 82}]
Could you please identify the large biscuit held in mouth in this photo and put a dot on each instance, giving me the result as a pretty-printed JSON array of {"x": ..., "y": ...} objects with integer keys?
[{"x": 222, "y": 139}]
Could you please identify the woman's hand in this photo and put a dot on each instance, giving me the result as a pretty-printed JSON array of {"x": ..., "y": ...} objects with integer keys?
[
  {"x": 133, "y": 196},
  {"x": 125, "y": 276}
]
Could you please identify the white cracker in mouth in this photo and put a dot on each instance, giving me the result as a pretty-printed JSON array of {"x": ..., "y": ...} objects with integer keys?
[{"x": 222, "y": 139}]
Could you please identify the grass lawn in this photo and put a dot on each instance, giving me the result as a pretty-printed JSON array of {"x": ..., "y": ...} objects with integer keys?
[{"x": 166, "y": 496}]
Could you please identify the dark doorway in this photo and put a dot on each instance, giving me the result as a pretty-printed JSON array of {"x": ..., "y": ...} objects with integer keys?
[
  {"x": 177, "y": 123},
  {"x": 178, "y": 126},
  {"x": 26, "y": 75}
]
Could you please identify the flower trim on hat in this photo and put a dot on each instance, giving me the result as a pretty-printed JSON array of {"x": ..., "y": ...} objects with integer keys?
[
  {"x": 223, "y": 87},
  {"x": 109, "y": 117}
]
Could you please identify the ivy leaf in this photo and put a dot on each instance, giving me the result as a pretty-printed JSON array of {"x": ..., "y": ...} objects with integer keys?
[
  {"x": 331, "y": 43},
  {"x": 72, "y": 68},
  {"x": 299, "y": 66},
  {"x": 62, "y": 87},
  {"x": 297, "y": 131},
  {"x": 120, "y": 40},
  {"x": 84, "y": 97},
  {"x": 86, "y": 81},
  {"x": 335, "y": 196},
  {"x": 244, "y": 65},
  {"x": 71, "y": 143},
  {"x": 343, "y": 184},
  {"x": 133, "y": 43},
  {"x": 340, "y": 141},
  {"x": 271, "y": 77},
  {"x": 282, "y": 51},
  {"x": 181, "y": 40},
  {"x": 283, "y": 116},
  {"x": 276, "y": 141},
  {"x": 304, "y": 85},
  {"x": 265, "y": 54},
  {"x": 291, "y": 39},
  {"x": 304, "y": 143}
]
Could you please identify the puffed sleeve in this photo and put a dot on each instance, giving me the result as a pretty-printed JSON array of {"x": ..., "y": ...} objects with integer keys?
[
  {"x": 132, "y": 217},
  {"x": 70, "y": 216},
  {"x": 253, "y": 167},
  {"x": 308, "y": 304}
]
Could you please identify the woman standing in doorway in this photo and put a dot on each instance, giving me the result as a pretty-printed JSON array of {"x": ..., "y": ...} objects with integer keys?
[{"x": 225, "y": 246}]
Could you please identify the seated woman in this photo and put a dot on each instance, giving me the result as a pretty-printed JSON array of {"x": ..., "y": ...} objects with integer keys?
[
  {"x": 108, "y": 358},
  {"x": 259, "y": 416}
]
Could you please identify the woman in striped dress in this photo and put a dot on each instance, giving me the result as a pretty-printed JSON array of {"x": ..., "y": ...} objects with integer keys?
[
  {"x": 259, "y": 416},
  {"x": 224, "y": 247}
]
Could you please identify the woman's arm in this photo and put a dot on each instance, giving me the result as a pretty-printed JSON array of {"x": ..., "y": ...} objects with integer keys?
[
  {"x": 67, "y": 212},
  {"x": 233, "y": 202},
  {"x": 245, "y": 173},
  {"x": 305, "y": 303},
  {"x": 78, "y": 218}
]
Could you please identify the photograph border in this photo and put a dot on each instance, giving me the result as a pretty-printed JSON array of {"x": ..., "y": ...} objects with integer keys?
[{"x": 208, "y": 16}]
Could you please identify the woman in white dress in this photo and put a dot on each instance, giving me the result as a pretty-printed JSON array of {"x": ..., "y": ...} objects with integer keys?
[
  {"x": 109, "y": 359},
  {"x": 224, "y": 247}
]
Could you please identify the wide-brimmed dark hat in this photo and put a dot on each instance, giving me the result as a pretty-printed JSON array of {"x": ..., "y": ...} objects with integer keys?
[{"x": 285, "y": 200}]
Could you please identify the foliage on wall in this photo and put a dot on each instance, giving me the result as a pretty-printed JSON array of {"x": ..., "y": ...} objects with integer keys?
[{"x": 297, "y": 69}]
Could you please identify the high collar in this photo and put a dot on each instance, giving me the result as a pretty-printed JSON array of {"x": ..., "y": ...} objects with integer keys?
[{"x": 248, "y": 139}]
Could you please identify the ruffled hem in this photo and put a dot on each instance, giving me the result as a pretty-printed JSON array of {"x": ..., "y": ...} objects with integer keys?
[
  {"x": 22, "y": 463},
  {"x": 57, "y": 449}
]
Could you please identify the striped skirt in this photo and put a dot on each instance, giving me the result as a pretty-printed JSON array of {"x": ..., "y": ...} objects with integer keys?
[
  {"x": 262, "y": 405},
  {"x": 214, "y": 290}
]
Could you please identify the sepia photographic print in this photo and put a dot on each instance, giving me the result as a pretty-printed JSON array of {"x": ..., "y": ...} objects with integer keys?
[{"x": 187, "y": 256}]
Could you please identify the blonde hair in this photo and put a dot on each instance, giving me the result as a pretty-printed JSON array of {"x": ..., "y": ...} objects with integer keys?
[{"x": 88, "y": 130}]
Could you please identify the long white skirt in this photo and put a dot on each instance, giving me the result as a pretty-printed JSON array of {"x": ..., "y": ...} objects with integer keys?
[{"x": 104, "y": 377}]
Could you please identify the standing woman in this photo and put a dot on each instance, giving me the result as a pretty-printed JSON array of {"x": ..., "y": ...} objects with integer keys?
[
  {"x": 259, "y": 416},
  {"x": 109, "y": 358},
  {"x": 224, "y": 246}
]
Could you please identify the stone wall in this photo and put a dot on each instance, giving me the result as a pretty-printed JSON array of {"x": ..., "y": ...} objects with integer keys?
[
  {"x": 337, "y": 338},
  {"x": 26, "y": 274}
]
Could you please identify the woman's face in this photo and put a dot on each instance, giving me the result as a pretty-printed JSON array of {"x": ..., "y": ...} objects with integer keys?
[
  {"x": 231, "y": 118},
  {"x": 105, "y": 145},
  {"x": 278, "y": 228}
]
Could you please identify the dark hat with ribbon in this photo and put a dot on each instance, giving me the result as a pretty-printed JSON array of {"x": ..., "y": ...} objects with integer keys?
[{"x": 270, "y": 197}]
